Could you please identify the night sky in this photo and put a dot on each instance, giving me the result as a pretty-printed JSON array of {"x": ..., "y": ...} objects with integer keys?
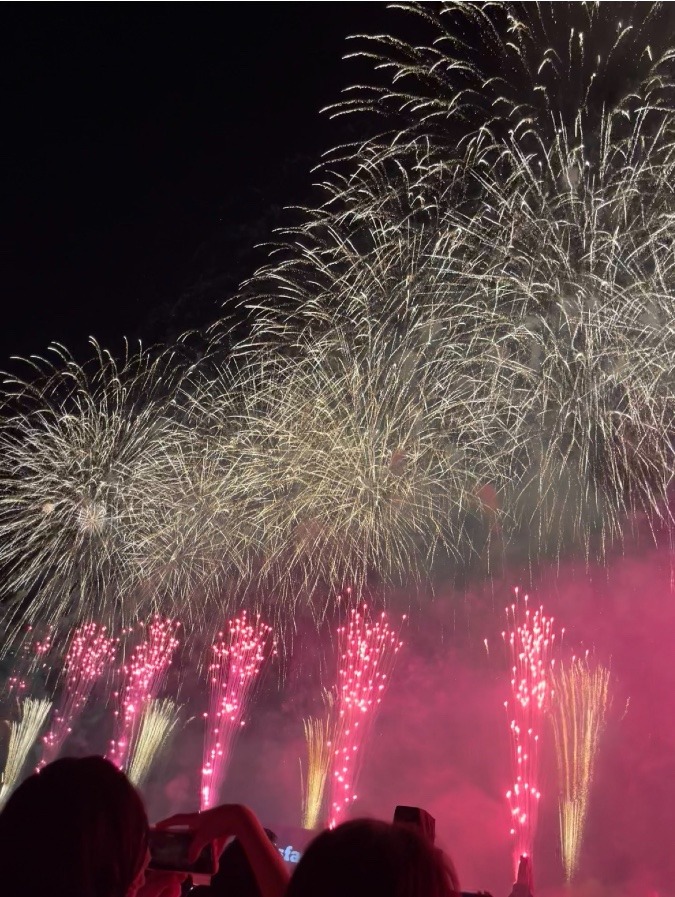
[{"x": 147, "y": 149}]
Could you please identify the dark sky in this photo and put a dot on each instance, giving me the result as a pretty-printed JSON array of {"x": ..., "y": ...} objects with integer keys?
[{"x": 147, "y": 148}]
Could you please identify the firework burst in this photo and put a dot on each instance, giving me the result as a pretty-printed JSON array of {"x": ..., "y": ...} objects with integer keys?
[
  {"x": 530, "y": 640},
  {"x": 233, "y": 672},
  {"x": 367, "y": 653},
  {"x": 90, "y": 652},
  {"x": 76, "y": 445},
  {"x": 143, "y": 677},
  {"x": 578, "y": 714}
]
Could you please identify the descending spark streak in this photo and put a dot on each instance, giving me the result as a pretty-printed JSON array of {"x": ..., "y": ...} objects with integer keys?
[
  {"x": 143, "y": 677},
  {"x": 367, "y": 653},
  {"x": 22, "y": 737},
  {"x": 160, "y": 718},
  {"x": 319, "y": 735},
  {"x": 90, "y": 652},
  {"x": 530, "y": 640},
  {"x": 236, "y": 663},
  {"x": 578, "y": 715}
]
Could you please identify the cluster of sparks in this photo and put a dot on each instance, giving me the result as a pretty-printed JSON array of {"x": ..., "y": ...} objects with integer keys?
[
  {"x": 578, "y": 713},
  {"x": 90, "y": 653},
  {"x": 23, "y": 734},
  {"x": 367, "y": 651},
  {"x": 236, "y": 662},
  {"x": 143, "y": 677},
  {"x": 159, "y": 721},
  {"x": 530, "y": 640},
  {"x": 482, "y": 302},
  {"x": 319, "y": 736}
]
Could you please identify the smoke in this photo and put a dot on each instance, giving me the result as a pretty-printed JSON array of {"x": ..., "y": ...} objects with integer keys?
[{"x": 441, "y": 738}]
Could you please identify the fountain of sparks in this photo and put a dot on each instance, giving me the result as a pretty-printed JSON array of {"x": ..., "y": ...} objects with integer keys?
[
  {"x": 530, "y": 640},
  {"x": 23, "y": 734},
  {"x": 314, "y": 775},
  {"x": 236, "y": 662},
  {"x": 160, "y": 718},
  {"x": 143, "y": 677},
  {"x": 90, "y": 652},
  {"x": 367, "y": 651},
  {"x": 578, "y": 714}
]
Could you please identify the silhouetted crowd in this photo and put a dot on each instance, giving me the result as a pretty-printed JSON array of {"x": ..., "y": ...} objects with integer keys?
[{"x": 78, "y": 828}]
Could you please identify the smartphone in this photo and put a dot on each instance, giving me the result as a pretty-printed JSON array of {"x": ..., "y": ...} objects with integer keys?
[
  {"x": 169, "y": 852},
  {"x": 424, "y": 822}
]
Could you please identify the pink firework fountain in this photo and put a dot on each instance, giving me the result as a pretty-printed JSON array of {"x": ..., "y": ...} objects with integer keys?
[
  {"x": 90, "y": 652},
  {"x": 530, "y": 640},
  {"x": 367, "y": 651},
  {"x": 236, "y": 661},
  {"x": 143, "y": 677}
]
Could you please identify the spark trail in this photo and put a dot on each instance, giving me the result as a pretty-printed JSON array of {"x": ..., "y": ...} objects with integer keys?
[
  {"x": 236, "y": 661},
  {"x": 530, "y": 640},
  {"x": 319, "y": 736},
  {"x": 90, "y": 653},
  {"x": 160, "y": 718},
  {"x": 578, "y": 714},
  {"x": 22, "y": 736},
  {"x": 367, "y": 651},
  {"x": 143, "y": 677}
]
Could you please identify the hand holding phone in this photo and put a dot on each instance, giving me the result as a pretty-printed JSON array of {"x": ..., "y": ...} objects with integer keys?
[{"x": 171, "y": 851}]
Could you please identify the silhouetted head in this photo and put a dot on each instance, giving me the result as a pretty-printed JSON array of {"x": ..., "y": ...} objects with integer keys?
[
  {"x": 368, "y": 858},
  {"x": 77, "y": 828}
]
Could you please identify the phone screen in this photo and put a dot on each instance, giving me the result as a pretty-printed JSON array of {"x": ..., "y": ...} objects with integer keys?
[{"x": 169, "y": 852}]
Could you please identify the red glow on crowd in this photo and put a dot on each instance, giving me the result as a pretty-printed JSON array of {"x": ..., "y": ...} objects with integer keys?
[
  {"x": 236, "y": 662},
  {"x": 90, "y": 651},
  {"x": 367, "y": 651},
  {"x": 143, "y": 677}
]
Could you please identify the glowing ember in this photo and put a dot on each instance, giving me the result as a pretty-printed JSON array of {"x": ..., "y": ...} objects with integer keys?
[
  {"x": 90, "y": 652},
  {"x": 237, "y": 660},
  {"x": 367, "y": 654},
  {"x": 530, "y": 640},
  {"x": 143, "y": 678}
]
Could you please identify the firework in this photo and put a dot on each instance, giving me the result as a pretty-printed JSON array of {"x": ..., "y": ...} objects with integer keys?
[
  {"x": 367, "y": 653},
  {"x": 319, "y": 734},
  {"x": 362, "y": 459},
  {"x": 90, "y": 652},
  {"x": 544, "y": 199},
  {"x": 22, "y": 736},
  {"x": 160, "y": 718},
  {"x": 79, "y": 446},
  {"x": 481, "y": 304},
  {"x": 578, "y": 716},
  {"x": 143, "y": 677},
  {"x": 234, "y": 669},
  {"x": 530, "y": 640}
]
